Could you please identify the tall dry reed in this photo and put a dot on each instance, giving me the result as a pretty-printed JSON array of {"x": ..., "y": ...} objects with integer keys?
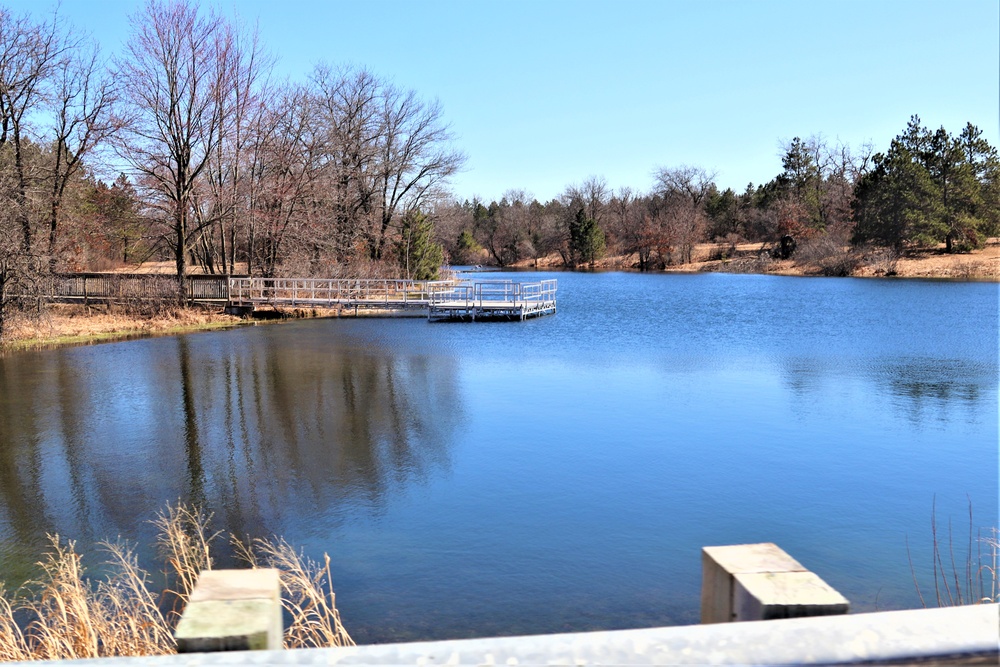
[
  {"x": 64, "y": 615},
  {"x": 969, "y": 578},
  {"x": 308, "y": 593}
]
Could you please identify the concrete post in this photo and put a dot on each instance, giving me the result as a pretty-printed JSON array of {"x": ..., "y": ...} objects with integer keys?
[
  {"x": 232, "y": 610},
  {"x": 755, "y": 582}
]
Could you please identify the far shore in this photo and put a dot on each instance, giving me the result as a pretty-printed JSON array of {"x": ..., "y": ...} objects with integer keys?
[
  {"x": 62, "y": 325},
  {"x": 978, "y": 265}
]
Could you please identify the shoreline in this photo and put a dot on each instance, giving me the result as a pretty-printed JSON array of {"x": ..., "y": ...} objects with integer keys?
[
  {"x": 976, "y": 266},
  {"x": 62, "y": 325}
]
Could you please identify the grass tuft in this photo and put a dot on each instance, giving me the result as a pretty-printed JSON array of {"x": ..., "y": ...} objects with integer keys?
[
  {"x": 308, "y": 593},
  {"x": 63, "y": 615}
]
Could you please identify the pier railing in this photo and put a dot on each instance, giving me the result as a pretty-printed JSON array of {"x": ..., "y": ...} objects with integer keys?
[
  {"x": 441, "y": 299},
  {"x": 333, "y": 291},
  {"x": 486, "y": 292}
]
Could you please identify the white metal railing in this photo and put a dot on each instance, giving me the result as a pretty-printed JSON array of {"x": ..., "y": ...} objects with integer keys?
[
  {"x": 493, "y": 292},
  {"x": 306, "y": 291}
]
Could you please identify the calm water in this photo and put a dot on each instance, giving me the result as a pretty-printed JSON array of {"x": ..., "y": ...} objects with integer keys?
[{"x": 557, "y": 474}]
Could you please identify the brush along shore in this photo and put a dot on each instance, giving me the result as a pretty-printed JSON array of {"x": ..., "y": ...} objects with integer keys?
[{"x": 809, "y": 260}]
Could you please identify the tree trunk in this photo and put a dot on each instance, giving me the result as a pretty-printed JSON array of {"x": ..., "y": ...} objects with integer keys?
[{"x": 180, "y": 256}]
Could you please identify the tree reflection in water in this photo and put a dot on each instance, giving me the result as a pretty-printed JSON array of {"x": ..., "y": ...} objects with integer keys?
[{"x": 272, "y": 437}]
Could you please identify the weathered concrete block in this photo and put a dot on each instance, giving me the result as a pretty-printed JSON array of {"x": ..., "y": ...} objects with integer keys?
[
  {"x": 741, "y": 582},
  {"x": 763, "y": 596},
  {"x": 232, "y": 610}
]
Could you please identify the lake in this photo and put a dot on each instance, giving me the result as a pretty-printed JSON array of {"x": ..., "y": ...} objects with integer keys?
[{"x": 558, "y": 474}]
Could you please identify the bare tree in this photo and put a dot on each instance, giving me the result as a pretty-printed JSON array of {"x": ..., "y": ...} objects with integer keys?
[
  {"x": 692, "y": 182},
  {"x": 282, "y": 189},
  {"x": 684, "y": 224},
  {"x": 414, "y": 160},
  {"x": 19, "y": 269},
  {"x": 639, "y": 226},
  {"x": 684, "y": 190},
  {"x": 82, "y": 98},
  {"x": 173, "y": 108},
  {"x": 242, "y": 68},
  {"x": 622, "y": 206},
  {"x": 29, "y": 52},
  {"x": 348, "y": 127},
  {"x": 593, "y": 195}
]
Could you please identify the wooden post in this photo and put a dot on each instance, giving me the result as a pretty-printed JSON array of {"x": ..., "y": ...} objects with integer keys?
[
  {"x": 232, "y": 610},
  {"x": 755, "y": 582}
]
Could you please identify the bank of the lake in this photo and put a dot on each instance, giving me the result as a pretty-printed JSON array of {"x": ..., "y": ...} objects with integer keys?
[
  {"x": 982, "y": 264},
  {"x": 68, "y": 324}
]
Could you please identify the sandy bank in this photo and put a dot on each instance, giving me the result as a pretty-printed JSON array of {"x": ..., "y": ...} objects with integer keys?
[{"x": 983, "y": 264}]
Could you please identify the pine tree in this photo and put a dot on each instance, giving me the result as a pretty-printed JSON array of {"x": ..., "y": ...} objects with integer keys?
[
  {"x": 419, "y": 256},
  {"x": 586, "y": 239},
  {"x": 930, "y": 188}
]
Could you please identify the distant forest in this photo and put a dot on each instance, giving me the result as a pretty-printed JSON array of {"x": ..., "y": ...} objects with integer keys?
[{"x": 231, "y": 171}]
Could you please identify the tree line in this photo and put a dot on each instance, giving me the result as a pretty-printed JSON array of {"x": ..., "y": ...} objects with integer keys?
[
  {"x": 226, "y": 166},
  {"x": 230, "y": 170},
  {"x": 929, "y": 188}
]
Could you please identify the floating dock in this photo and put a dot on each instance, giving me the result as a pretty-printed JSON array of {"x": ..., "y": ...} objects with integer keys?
[{"x": 494, "y": 300}]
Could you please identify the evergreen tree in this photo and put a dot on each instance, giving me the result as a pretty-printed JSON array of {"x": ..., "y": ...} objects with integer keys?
[
  {"x": 801, "y": 182},
  {"x": 894, "y": 203},
  {"x": 586, "y": 239},
  {"x": 419, "y": 256},
  {"x": 930, "y": 188}
]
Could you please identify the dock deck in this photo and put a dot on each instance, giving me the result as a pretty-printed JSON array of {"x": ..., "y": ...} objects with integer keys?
[{"x": 494, "y": 300}]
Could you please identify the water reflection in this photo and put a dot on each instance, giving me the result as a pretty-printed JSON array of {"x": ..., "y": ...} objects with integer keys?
[
  {"x": 923, "y": 390},
  {"x": 22, "y": 524},
  {"x": 248, "y": 428},
  {"x": 935, "y": 385}
]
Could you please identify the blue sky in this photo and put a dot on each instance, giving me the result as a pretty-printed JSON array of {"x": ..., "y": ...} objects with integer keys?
[{"x": 542, "y": 94}]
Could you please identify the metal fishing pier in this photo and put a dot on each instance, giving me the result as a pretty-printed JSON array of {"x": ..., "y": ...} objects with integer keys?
[
  {"x": 437, "y": 299},
  {"x": 494, "y": 300}
]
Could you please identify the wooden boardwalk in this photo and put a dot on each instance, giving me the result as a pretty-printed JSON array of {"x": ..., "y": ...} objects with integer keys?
[{"x": 88, "y": 288}]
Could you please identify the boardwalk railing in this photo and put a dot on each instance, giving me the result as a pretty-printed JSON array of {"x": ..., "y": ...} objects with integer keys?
[
  {"x": 440, "y": 299},
  {"x": 102, "y": 287},
  {"x": 332, "y": 292}
]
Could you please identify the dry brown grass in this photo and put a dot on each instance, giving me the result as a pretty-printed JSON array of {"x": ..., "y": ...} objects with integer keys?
[
  {"x": 308, "y": 593},
  {"x": 64, "y": 615},
  {"x": 184, "y": 544},
  {"x": 72, "y": 324}
]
